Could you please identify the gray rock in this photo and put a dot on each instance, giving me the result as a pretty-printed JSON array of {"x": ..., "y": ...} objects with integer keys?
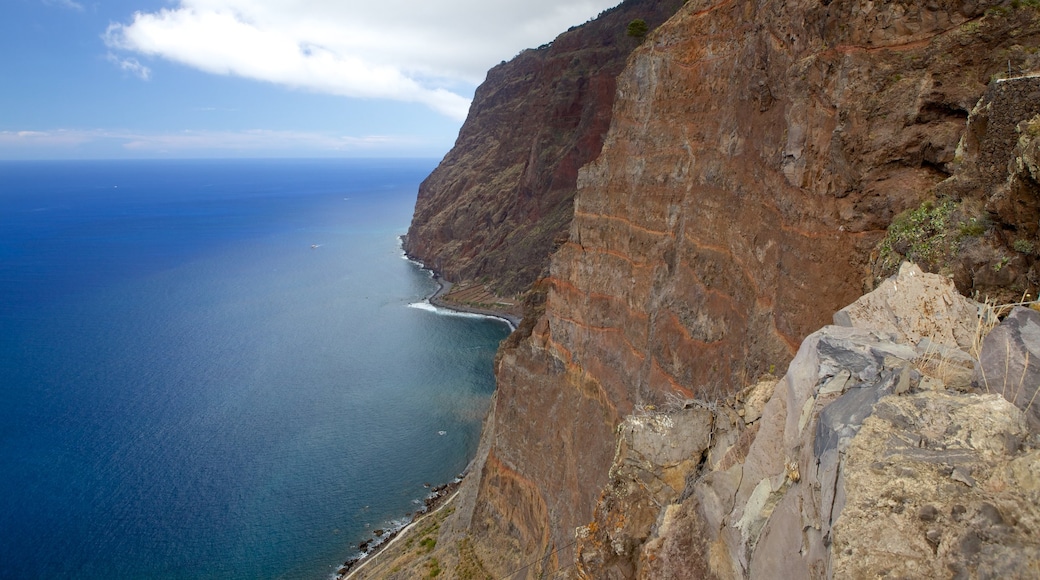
[
  {"x": 1009, "y": 362},
  {"x": 914, "y": 305}
]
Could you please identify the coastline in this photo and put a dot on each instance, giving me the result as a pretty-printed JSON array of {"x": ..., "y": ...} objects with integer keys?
[
  {"x": 444, "y": 288},
  {"x": 439, "y": 299},
  {"x": 440, "y": 497}
]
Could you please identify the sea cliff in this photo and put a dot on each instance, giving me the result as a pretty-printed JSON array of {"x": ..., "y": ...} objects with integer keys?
[{"x": 766, "y": 164}]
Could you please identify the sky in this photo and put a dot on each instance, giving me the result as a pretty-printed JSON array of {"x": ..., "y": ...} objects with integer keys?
[{"x": 109, "y": 79}]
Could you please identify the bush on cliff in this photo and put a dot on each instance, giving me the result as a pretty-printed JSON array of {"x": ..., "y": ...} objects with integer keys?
[{"x": 638, "y": 28}]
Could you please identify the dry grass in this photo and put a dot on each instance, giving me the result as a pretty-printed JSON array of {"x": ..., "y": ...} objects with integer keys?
[{"x": 989, "y": 317}]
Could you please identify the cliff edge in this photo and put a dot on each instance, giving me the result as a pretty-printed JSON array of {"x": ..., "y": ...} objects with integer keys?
[
  {"x": 767, "y": 163},
  {"x": 502, "y": 199},
  {"x": 887, "y": 449}
]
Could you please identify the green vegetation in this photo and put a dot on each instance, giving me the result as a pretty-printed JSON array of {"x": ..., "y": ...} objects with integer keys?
[
  {"x": 1024, "y": 246},
  {"x": 920, "y": 235},
  {"x": 973, "y": 227},
  {"x": 930, "y": 235},
  {"x": 434, "y": 568},
  {"x": 638, "y": 28},
  {"x": 470, "y": 567}
]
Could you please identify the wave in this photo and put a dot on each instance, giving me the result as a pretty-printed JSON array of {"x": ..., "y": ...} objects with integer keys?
[{"x": 425, "y": 305}]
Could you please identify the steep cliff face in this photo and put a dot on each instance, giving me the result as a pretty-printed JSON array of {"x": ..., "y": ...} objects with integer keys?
[
  {"x": 758, "y": 150},
  {"x": 502, "y": 198},
  {"x": 875, "y": 456}
]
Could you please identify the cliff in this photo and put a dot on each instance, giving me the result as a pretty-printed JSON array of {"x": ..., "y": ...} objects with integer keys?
[
  {"x": 502, "y": 199},
  {"x": 767, "y": 162},
  {"x": 887, "y": 449}
]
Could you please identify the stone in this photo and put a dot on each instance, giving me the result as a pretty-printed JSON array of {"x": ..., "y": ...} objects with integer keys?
[
  {"x": 915, "y": 306},
  {"x": 656, "y": 453},
  {"x": 756, "y": 398},
  {"x": 871, "y": 535},
  {"x": 756, "y": 154},
  {"x": 1009, "y": 362}
]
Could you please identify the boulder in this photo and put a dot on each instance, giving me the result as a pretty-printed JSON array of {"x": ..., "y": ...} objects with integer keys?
[
  {"x": 914, "y": 305},
  {"x": 1009, "y": 362}
]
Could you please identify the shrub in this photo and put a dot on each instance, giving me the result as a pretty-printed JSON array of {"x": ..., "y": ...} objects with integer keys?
[
  {"x": 920, "y": 234},
  {"x": 638, "y": 28},
  {"x": 1023, "y": 246}
]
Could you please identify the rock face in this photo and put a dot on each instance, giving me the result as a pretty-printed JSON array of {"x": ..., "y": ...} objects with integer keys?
[
  {"x": 756, "y": 154},
  {"x": 502, "y": 199},
  {"x": 757, "y": 151},
  {"x": 864, "y": 463},
  {"x": 996, "y": 178}
]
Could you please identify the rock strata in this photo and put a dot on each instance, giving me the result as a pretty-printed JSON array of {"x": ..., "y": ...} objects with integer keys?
[
  {"x": 863, "y": 464},
  {"x": 757, "y": 152},
  {"x": 502, "y": 199}
]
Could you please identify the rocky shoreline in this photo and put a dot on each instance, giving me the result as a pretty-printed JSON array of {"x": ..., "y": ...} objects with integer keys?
[
  {"x": 382, "y": 538},
  {"x": 439, "y": 300},
  {"x": 441, "y": 297}
]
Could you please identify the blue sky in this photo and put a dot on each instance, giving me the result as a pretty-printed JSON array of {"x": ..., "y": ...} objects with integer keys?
[{"x": 254, "y": 78}]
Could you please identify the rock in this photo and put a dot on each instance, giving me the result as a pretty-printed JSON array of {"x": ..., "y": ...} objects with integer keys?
[
  {"x": 852, "y": 471},
  {"x": 656, "y": 453},
  {"x": 915, "y": 306},
  {"x": 967, "y": 431},
  {"x": 1009, "y": 362},
  {"x": 502, "y": 199},
  {"x": 756, "y": 153},
  {"x": 756, "y": 398}
]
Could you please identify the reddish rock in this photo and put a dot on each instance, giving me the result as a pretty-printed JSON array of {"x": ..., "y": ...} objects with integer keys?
[
  {"x": 757, "y": 152},
  {"x": 502, "y": 199}
]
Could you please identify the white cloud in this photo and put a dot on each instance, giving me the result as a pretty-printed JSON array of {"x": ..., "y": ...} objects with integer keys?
[
  {"x": 42, "y": 138},
  {"x": 131, "y": 65},
  {"x": 191, "y": 142},
  {"x": 387, "y": 49}
]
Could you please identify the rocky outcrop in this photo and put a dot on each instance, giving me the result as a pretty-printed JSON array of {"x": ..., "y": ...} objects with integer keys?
[
  {"x": 865, "y": 462},
  {"x": 1009, "y": 362},
  {"x": 502, "y": 199},
  {"x": 982, "y": 226},
  {"x": 757, "y": 152}
]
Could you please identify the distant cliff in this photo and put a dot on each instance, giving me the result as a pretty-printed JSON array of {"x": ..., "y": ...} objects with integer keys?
[
  {"x": 502, "y": 199},
  {"x": 767, "y": 163}
]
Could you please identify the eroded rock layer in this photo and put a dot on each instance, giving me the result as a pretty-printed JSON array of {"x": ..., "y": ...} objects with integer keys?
[
  {"x": 757, "y": 152},
  {"x": 502, "y": 198},
  {"x": 873, "y": 457}
]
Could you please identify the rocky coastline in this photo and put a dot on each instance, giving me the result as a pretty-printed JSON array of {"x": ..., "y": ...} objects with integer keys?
[
  {"x": 382, "y": 538},
  {"x": 441, "y": 299}
]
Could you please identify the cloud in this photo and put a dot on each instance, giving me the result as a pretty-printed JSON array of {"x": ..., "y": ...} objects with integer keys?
[
  {"x": 131, "y": 65},
  {"x": 59, "y": 138},
  {"x": 70, "y": 4},
  {"x": 251, "y": 142},
  {"x": 428, "y": 52}
]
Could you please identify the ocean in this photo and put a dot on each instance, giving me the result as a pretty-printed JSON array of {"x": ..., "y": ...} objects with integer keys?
[{"x": 211, "y": 369}]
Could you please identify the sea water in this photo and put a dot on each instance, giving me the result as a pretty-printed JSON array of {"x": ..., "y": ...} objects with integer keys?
[{"x": 209, "y": 369}]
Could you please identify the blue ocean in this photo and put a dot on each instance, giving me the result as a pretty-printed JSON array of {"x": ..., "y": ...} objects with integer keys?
[{"x": 211, "y": 369}]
